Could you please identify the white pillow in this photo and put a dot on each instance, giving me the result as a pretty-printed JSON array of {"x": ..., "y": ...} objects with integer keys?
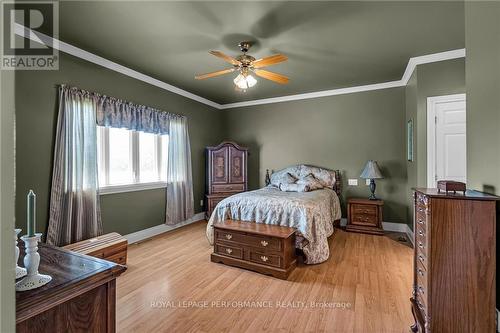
[
  {"x": 294, "y": 187},
  {"x": 282, "y": 178}
]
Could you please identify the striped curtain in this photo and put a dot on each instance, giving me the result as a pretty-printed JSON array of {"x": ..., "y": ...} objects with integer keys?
[{"x": 74, "y": 200}]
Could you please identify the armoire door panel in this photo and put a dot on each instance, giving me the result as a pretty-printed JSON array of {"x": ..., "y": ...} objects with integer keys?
[
  {"x": 237, "y": 165},
  {"x": 220, "y": 166}
]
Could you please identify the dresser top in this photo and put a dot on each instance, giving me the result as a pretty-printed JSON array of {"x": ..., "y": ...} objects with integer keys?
[
  {"x": 72, "y": 273},
  {"x": 469, "y": 194}
]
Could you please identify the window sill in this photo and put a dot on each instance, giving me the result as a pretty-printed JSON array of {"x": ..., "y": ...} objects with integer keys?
[{"x": 131, "y": 187}]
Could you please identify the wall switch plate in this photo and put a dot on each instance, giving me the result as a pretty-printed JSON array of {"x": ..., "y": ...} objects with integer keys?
[
  {"x": 201, "y": 202},
  {"x": 367, "y": 181},
  {"x": 352, "y": 182}
]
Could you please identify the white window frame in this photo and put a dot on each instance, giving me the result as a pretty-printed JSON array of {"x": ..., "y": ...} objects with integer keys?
[{"x": 137, "y": 185}]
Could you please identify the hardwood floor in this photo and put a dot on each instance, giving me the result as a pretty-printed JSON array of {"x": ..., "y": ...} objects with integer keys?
[{"x": 171, "y": 285}]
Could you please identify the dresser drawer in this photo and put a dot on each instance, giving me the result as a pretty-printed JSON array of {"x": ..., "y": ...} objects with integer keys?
[
  {"x": 422, "y": 292},
  {"x": 265, "y": 259},
  {"x": 364, "y": 209},
  {"x": 228, "y": 188},
  {"x": 421, "y": 243},
  {"x": 261, "y": 242},
  {"x": 422, "y": 200},
  {"x": 229, "y": 250},
  {"x": 421, "y": 270},
  {"x": 421, "y": 221},
  {"x": 422, "y": 258}
]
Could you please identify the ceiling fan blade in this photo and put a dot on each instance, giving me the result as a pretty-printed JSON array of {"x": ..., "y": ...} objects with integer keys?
[
  {"x": 227, "y": 58},
  {"x": 281, "y": 79},
  {"x": 213, "y": 74},
  {"x": 268, "y": 61}
]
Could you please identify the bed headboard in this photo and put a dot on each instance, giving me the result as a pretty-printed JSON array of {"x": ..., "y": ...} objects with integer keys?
[{"x": 337, "y": 187}]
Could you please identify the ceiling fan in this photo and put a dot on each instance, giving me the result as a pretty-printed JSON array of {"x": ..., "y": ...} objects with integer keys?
[{"x": 245, "y": 65}]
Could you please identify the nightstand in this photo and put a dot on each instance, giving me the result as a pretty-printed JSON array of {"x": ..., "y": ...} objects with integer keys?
[{"x": 364, "y": 215}]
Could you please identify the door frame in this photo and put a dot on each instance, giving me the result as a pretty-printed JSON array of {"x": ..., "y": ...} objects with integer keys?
[{"x": 431, "y": 132}]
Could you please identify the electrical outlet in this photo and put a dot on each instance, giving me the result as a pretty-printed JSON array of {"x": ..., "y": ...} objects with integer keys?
[
  {"x": 352, "y": 182},
  {"x": 201, "y": 203},
  {"x": 367, "y": 181}
]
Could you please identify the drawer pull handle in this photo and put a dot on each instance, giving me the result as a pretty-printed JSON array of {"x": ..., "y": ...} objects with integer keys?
[
  {"x": 264, "y": 258},
  {"x": 229, "y": 236},
  {"x": 420, "y": 272},
  {"x": 264, "y": 243},
  {"x": 229, "y": 251}
]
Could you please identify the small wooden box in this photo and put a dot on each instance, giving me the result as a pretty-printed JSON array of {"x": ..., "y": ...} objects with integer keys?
[
  {"x": 264, "y": 248},
  {"x": 112, "y": 247},
  {"x": 450, "y": 186}
]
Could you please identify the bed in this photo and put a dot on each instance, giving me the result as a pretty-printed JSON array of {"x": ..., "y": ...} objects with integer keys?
[{"x": 312, "y": 213}]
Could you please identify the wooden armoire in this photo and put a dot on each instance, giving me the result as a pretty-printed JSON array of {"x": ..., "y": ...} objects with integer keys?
[
  {"x": 454, "y": 262},
  {"x": 226, "y": 173}
]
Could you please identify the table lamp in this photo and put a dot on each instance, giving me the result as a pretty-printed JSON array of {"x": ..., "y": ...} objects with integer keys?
[{"x": 372, "y": 172}]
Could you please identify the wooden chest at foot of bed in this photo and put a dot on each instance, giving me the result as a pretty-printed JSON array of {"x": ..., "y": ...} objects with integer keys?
[{"x": 264, "y": 248}]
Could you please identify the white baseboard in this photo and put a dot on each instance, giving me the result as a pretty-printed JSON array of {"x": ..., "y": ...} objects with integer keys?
[
  {"x": 159, "y": 229},
  {"x": 390, "y": 226}
]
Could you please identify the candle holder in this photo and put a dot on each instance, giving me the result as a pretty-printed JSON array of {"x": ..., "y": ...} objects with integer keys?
[
  {"x": 33, "y": 279},
  {"x": 20, "y": 271}
]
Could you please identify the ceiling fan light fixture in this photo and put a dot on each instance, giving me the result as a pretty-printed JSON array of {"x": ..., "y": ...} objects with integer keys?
[{"x": 244, "y": 81}]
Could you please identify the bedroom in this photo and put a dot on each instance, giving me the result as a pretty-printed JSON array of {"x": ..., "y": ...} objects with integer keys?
[{"x": 360, "y": 82}]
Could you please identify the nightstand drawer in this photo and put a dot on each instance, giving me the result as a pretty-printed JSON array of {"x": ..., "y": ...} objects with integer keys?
[
  {"x": 364, "y": 209},
  {"x": 364, "y": 219}
]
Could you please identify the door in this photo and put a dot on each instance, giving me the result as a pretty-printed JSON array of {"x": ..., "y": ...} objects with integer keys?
[{"x": 446, "y": 139}]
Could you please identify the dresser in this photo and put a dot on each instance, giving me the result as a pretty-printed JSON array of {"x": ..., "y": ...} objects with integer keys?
[
  {"x": 454, "y": 262},
  {"x": 365, "y": 215},
  {"x": 80, "y": 298},
  {"x": 226, "y": 173}
]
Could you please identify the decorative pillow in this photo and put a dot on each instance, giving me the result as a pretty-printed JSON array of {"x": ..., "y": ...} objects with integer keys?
[
  {"x": 324, "y": 176},
  {"x": 311, "y": 182},
  {"x": 294, "y": 187},
  {"x": 277, "y": 179}
]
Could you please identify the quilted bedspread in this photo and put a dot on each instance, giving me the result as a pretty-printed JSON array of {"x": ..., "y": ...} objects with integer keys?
[{"x": 311, "y": 213}]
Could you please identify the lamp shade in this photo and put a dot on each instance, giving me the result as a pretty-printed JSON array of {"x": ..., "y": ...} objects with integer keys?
[{"x": 371, "y": 171}]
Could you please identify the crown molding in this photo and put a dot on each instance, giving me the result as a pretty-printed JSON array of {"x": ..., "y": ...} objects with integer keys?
[
  {"x": 316, "y": 94},
  {"x": 98, "y": 60}
]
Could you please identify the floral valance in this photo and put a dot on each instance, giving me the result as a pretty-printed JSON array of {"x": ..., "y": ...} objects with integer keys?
[{"x": 114, "y": 112}]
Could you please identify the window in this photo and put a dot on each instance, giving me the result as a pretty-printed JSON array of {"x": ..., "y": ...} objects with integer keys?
[{"x": 130, "y": 160}]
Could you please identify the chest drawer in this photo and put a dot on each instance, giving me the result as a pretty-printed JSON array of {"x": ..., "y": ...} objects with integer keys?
[
  {"x": 229, "y": 250},
  {"x": 265, "y": 259},
  {"x": 261, "y": 242},
  {"x": 218, "y": 188}
]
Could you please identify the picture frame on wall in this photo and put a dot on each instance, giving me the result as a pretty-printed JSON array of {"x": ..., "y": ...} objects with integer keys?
[{"x": 409, "y": 140}]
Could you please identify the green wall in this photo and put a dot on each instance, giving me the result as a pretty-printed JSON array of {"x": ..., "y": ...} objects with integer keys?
[
  {"x": 339, "y": 132},
  {"x": 482, "y": 37},
  {"x": 434, "y": 79},
  {"x": 36, "y": 112}
]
